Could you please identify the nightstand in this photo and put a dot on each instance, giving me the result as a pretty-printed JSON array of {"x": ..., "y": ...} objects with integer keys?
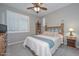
[{"x": 71, "y": 41}]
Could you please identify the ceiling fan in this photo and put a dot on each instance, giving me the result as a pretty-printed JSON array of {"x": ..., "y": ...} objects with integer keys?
[{"x": 37, "y": 7}]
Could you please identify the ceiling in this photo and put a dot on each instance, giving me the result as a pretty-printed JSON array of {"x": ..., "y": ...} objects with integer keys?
[{"x": 50, "y": 6}]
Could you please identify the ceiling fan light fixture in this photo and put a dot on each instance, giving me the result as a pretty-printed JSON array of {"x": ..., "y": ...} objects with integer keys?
[{"x": 36, "y": 9}]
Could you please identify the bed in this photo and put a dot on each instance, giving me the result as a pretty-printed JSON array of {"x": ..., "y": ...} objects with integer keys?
[{"x": 46, "y": 43}]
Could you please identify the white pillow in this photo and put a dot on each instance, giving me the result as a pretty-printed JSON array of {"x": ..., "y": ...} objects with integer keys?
[{"x": 50, "y": 33}]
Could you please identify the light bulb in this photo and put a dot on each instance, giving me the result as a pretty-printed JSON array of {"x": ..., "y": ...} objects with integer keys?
[{"x": 36, "y": 9}]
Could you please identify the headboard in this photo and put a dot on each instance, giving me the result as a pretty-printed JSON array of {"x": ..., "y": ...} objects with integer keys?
[{"x": 60, "y": 28}]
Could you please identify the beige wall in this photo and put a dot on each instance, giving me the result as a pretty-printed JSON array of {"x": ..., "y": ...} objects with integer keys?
[{"x": 70, "y": 15}]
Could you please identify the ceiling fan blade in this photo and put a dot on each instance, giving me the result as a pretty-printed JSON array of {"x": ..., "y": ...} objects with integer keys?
[
  {"x": 30, "y": 7},
  {"x": 43, "y": 8}
]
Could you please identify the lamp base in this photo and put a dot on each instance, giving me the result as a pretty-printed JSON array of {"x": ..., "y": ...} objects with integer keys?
[{"x": 71, "y": 34}]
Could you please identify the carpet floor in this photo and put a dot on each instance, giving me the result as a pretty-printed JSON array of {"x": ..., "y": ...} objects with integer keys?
[{"x": 19, "y": 50}]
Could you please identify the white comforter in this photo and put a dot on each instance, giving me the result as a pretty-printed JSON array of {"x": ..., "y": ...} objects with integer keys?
[{"x": 41, "y": 48}]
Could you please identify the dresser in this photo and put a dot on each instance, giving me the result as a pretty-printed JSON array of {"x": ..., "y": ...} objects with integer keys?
[
  {"x": 71, "y": 41},
  {"x": 3, "y": 41},
  {"x": 3, "y": 44}
]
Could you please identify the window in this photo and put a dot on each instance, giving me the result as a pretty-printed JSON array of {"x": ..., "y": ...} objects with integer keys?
[{"x": 17, "y": 22}]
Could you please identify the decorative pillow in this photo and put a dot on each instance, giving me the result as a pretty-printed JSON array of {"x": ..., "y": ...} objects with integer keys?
[
  {"x": 50, "y": 33},
  {"x": 45, "y": 33}
]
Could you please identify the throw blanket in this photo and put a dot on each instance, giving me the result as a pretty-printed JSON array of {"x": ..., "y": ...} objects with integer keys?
[{"x": 50, "y": 42}]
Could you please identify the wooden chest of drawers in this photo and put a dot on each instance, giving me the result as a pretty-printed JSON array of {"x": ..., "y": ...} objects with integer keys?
[
  {"x": 71, "y": 41},
  {"x": 3, "y": 44}
]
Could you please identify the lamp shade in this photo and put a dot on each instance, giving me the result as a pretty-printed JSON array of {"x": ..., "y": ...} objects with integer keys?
[{"x": 71, "y": 29}]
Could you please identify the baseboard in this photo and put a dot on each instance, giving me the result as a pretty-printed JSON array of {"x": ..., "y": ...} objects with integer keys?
[{"x": 13, "y": 43}]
